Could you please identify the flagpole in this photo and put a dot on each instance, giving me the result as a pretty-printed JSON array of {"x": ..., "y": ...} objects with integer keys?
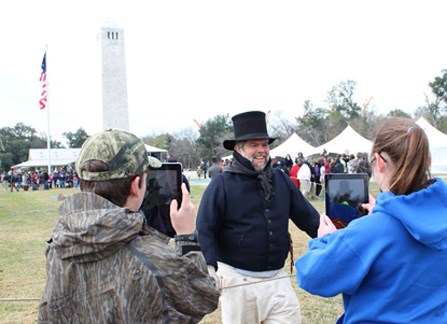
[{"x": 48, "y": 115}]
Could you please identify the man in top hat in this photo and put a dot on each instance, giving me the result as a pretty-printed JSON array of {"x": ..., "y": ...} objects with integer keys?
[
  {"x": 242, "y": 226},
  {"x": 105, "y": 264}
]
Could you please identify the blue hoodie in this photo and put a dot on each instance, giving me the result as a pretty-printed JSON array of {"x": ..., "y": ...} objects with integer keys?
[{"x": 390, "y": 266}]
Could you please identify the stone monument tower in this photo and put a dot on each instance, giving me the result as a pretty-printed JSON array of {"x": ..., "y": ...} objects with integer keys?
[{"x": 114, "y": 82}]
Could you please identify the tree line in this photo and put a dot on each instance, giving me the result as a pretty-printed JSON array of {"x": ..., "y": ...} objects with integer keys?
[
  {"x": 15, "y": 143},
  {"x": 317, "y": 125}
]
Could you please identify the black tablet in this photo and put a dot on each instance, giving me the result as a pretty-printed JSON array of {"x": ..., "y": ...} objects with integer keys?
[
  {"x": 344, "y": 195},
  {"x": 162, "y": 185}
]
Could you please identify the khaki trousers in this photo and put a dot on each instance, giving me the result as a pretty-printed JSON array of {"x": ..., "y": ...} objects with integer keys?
[{"x": 264, "y": 301}]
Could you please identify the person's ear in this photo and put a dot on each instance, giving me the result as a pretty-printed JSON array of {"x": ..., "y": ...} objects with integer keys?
[
  {"x": 381, "y": 163},
  {"x": 135, "y": 186}
]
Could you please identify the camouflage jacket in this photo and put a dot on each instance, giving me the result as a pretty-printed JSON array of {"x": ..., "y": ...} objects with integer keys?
[{"x": 104, "y": 265}]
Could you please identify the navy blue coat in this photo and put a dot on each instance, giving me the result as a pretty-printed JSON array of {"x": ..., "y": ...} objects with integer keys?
[{"x": 237, "y": 226}]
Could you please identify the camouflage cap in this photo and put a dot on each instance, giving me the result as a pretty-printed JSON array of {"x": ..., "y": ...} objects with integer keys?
[{"x": 123, "y": 152}]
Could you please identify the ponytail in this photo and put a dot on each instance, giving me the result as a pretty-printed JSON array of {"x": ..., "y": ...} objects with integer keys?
[{"x": 407, "y": 146}]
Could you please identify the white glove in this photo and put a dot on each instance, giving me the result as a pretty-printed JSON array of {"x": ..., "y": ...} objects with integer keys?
[{"x": 213, "y": 274}]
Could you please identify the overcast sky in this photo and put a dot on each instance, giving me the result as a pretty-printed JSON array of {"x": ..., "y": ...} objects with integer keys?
[{"x": 196, "y": 59}]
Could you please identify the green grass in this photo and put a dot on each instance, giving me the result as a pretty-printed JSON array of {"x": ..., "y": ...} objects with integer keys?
[{"x": 27, "y": 220}]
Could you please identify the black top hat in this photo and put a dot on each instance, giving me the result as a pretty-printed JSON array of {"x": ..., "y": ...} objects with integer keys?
[{"x": 249, "y": 125}]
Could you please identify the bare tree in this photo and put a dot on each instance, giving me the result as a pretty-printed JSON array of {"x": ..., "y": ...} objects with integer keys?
[
  {"x": 183, "y": 147},
  {"x": 281, "y": 126}
]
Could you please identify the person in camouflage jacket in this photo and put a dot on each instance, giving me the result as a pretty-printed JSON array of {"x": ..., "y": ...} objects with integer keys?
[{"x": 105, "y": 264}]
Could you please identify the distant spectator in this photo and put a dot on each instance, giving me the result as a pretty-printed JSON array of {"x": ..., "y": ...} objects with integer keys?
[
  {"x": 19, "y": 179},
  {"x": 322, "y": 173},
  {"x": 363, "y": 165},
  {"x": 204, "y": 166},
  {"x": 214, "y": 168},
  {"x": 25, "y": 180},
  {"x": 281, "y": 166},
  {"x": 12, "y": 179},
  {"x": 34, "y": 180},
  {"x": 45, "y": 178},
  {"x": 317, "y": 173},
  {"x": 288, "y": 162},
  {"x": 200, "y": 170},
  {"x": 327, "y": 165},
  {"x": 294, "y": 173},
  {"x": 61, "y": 177},
  {"x": 338, "y": 166},
  {"x": 350, "y": 165},
  {"x": 355, "y": 163},
  {"x": 304, "y": 177},
  {"x": 5, "y": 182}
]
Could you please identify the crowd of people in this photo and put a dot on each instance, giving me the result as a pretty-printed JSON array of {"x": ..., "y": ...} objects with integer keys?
[
  {"x": 24, "y": 179},
  {"x": 307, "y": 173}
]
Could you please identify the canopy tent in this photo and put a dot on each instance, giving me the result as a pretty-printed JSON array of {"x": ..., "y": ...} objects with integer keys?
[
  {"x": 228, "y": 157},
  {"x": 159, "y": 153},
  {"x": 436, "y": 138},
  {"x": 348, "y": 141},
  {"x": 63, "y": 156},
  {"x": 58, "y": 157},
  {"x": 153, "y": 149},
  {"x": 292, "y": 146},
  {"x": 439, "y": 160},
  {"x": 438, "y": 146}
]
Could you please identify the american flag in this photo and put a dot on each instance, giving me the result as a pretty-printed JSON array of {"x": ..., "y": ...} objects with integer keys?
[{"x": 43, "y": 79}]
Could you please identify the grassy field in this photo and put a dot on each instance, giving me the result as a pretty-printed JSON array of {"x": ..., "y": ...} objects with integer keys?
[{"x": 27, "y": 220}]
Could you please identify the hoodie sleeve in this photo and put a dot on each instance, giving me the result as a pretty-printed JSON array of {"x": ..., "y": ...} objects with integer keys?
[{"x": 331, "y": 265}]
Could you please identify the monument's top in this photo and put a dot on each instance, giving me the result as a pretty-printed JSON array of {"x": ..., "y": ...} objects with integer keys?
[{"x": 109, "y": 23}]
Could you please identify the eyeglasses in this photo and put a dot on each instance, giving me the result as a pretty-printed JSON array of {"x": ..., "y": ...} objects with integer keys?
[{"x": 373, "y": 159}]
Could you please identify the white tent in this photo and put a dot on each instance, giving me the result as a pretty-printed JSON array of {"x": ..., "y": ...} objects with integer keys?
[
  {"x": 292, "y": 146},
  {"x": 439, "y": 160},
  {"x": 153, "y": 149},
  {"x": 436, "y": 138},
  {"x": 59, "y": 157},
  {"x": 348, "y": 141},
  {"x": 438, "y": 146},
  {"x": 159, "y": 153}
]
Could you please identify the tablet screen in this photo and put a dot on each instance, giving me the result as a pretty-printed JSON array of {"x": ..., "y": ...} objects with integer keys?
[
  {"x": 162, "y": 185},
  {"x": 345, "y": 193}
]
